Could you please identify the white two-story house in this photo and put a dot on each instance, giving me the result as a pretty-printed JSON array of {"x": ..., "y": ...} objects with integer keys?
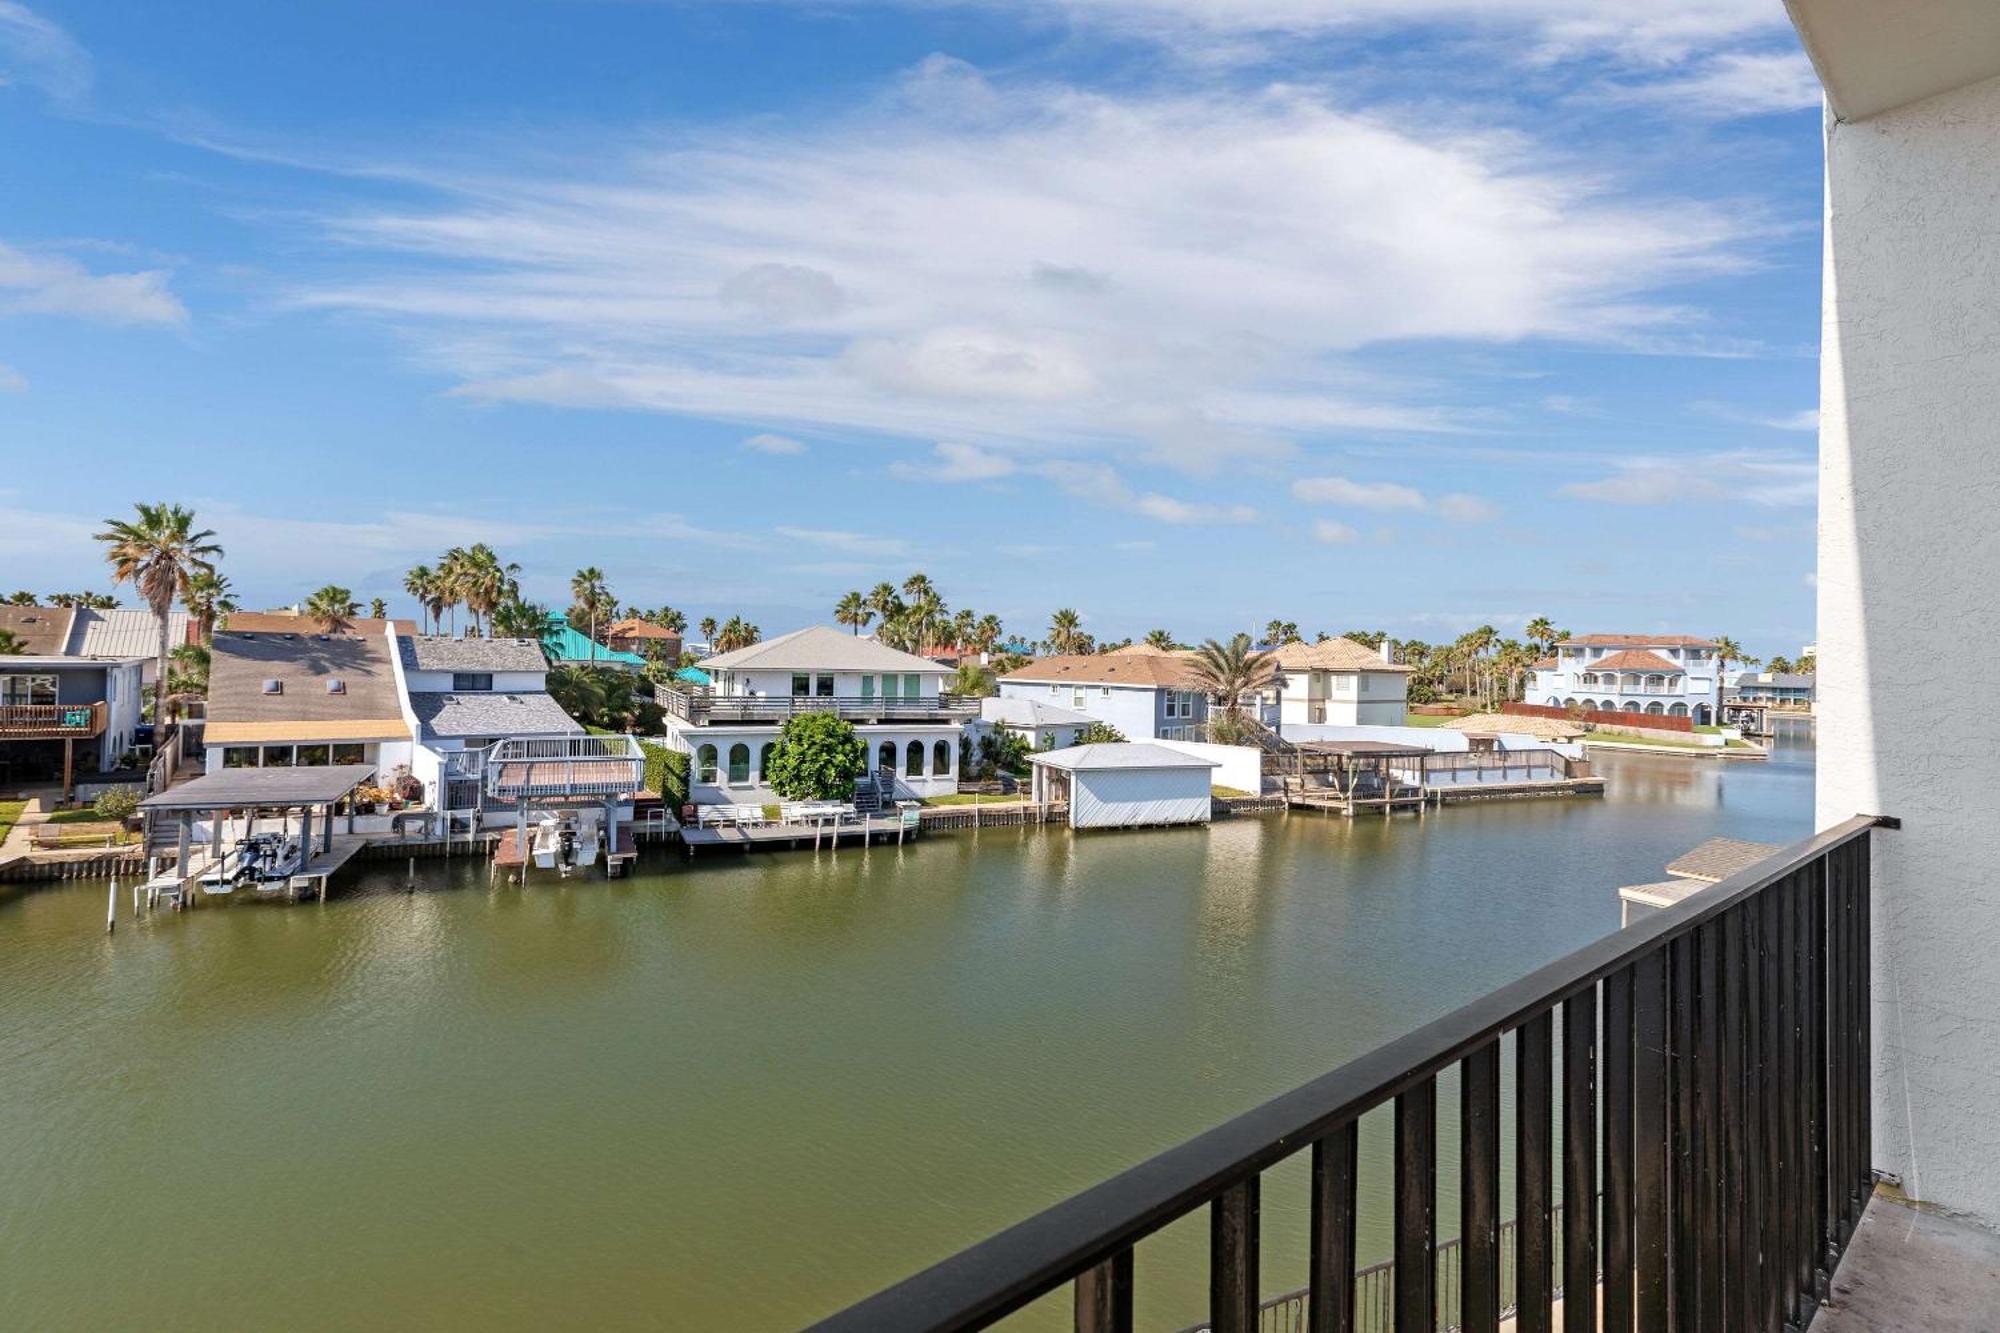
[
  {"x": 1143, "y": 695},
  {"x": 1338, "y": 682},
  {"x": 896, "y": 701},
  {"x": 460, "y": 696},
  {"x": 1673, "y": 675}
]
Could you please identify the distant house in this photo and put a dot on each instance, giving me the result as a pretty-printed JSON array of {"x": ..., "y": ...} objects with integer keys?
[
  {"x": 299, "y": 697},
  {"x": 896, "y": 701},
  {"x": 1670, "y": 674},
  {"x": 1777, "y": 689},
  {"x": 1143, "y": 695},
  {"x": 644, "y": 638},
  {"x": 1338, "y": 682},
  {"x": 61, "y": 713},
  {"x": 1045, "y": 726},
  {"x": 463, "y": 696},
  {"x": 1126, "y": 785},
  {"x": 1710, "y": 863},
  {"x": 125, "y": 632},
  {"x": 568, "y": 646}
]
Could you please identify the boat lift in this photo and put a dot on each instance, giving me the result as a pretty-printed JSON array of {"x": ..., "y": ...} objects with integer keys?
[{"x": 571, "y": 797}]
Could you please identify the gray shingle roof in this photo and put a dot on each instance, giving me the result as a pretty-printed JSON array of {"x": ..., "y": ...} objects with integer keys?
[
  {"x": 1031, "y": 713},
  {"x": 1719, "y": 858},
  {"x": 302, "y": 664},
  {"x": 819, "y": 648},
  {"x": 484, "y": 714},
  {"x": 426, "y": 653}
]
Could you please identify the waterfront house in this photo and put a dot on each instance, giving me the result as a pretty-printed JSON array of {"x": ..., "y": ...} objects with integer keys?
[
  {"x": 897, "y": 702},
  {"x": 124, "y": 633},
  {"x": 62, "y": 713},
  {"x": 1043, "y": 725},
  {"x": 298, "y": 697},
  {"x": 1674, "y": 675},
  {"x": 566, "y": 645},
  {"x": 1338, "y": 682},
  {"x": 1125, "y": 785},
  {"x": 1787, "y": 690},
  {"x": 461, "y": 697},
  {"x": 1144, "y": 696},
  {"x": 644, "y": 638}
]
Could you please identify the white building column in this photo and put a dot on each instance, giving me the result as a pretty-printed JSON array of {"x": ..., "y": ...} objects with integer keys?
[{"x": 1909, "y": 581}]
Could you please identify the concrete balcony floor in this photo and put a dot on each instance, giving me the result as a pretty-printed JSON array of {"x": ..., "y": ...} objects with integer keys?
[{"x": 1908, "y": 1270}]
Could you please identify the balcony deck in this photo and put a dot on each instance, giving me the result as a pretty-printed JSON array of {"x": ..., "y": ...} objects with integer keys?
[
  {"x": 51, "y": 722},
  {"x": 705, "y": 709},
  {"x": 1909, "y": 1270}
]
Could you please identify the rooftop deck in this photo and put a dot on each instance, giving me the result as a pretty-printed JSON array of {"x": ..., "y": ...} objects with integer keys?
[{"x": 703, "y": 708}]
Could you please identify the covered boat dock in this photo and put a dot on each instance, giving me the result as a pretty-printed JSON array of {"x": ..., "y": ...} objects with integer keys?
[{"x": 315, "y": 793}]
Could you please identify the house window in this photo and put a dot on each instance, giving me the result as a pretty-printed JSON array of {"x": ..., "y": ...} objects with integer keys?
[
  {"x": 240, "y": 756},
  {"x": 913, "y": 760},
  {"x": 27, "y": 689},
  {"x": 739, "y": 765},
  {"x": 356, "y": 754},
  {"x": 911, "y": 689},
  {"x": 468, "y": 682},
  {"x": 801, "y": 686},
  {"x": 313, "y": 756},
  {"x": 704, "y": 764},
  {"x": 1076, "y": 697},
  {"x": 940, "y": 759},
  {"x": 823, "y": 687},
  {"x": 889, "y": 691},
  {"x": 278, "y": 756},
  {"x": 885, "y": 756},
  {"x": 764, "y": 761},
  {"x": 868, "y": 687},
  {"x": 1104, "y": 691}
]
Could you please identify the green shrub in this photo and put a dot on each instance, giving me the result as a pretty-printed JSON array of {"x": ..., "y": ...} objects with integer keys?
[
  {"x": 118, "y": 803},
  {"x": 817, "y": 758},
  {"x": 1099, "y": 734},
  {"x": 666, "y": 772}
]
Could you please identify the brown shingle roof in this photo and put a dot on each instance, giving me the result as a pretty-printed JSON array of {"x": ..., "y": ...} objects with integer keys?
[
  {"x": 1633, "y": 659},
  {"x": 639, "y": 629},
  {"x": 1339, "y": 654},
  {"x": 1149, "y": 670},
  {"x": 42, "y": 630},
  {"x": 1719, "y": 858},
  {"x": 302, "y": 662},
  {"x": 278, "y": 622},
  {"x": 1639, "y": 641}
]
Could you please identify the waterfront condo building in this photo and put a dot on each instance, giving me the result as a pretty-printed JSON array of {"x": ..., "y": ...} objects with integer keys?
[
  {"x": 1673, "y": 675},
  {"x": 896, "y": 701}
]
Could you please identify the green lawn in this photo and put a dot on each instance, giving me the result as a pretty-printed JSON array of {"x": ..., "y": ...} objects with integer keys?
[
  {"x": 1631, "y": 738},
  {"x": 85, "y": 815},
  {"x": 1428, "y": 719},
  {"x": 10, "y": 815},
  {"x": 969, "y": 798},
  {"x": 1229, "y": 793}
]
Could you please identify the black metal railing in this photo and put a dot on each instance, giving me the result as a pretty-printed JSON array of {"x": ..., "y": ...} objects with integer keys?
[
  {"x": 703, "y": 708},
  {"x": 1729, "y": 1039}
]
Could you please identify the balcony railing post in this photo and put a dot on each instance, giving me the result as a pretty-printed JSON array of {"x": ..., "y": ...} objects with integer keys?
[
  {"x": 1104, "y": 1296},
  {"x": 1479, "y": 1189},
  {"x": 1534, "y": 1177},
  {"x": 1416, "y": 1207},
  {"x": 1652, "y": 1145},
  {"x": 1330, "y": 1293},
  {"x": 1579, "y": 1112},
  {"x": 1232, "y": 1259}
]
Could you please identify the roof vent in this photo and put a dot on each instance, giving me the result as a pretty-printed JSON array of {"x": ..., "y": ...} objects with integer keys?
[
  {"x": 274, "y": 686},
  {"x": 336, "y": 686}
]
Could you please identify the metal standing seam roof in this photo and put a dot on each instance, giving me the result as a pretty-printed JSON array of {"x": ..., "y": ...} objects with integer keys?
[
  {"x": 480, "y": 713},
  {"x": 238, "y": 788},
  {"x": 565, "y": 643},
  {"x": 126, "y": 632},
  {"x": 431, "y": 653},
  {"x": 820, "y": 648},
  {"x": 1019, "y": 712},
  {"x": 1120, "y": 754}
]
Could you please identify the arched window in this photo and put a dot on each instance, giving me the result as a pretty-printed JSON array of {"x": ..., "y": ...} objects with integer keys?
[
  {"x": 1632, "y": 706},
  {"x": 1656, "y": 708},
  {"x": 885, "y": 756},
  {"x": 704, "y": 764},
  {"x": 1702, "y": 717},
  {"x": 913, "y": 760},
  {"x": 941, "y": 759},
  {"x": 1569, "y": 703},
  {"x": 1678, "y": 710},
  {"x": 739, "y": 765},
  {"x": 764, "y": 760}
]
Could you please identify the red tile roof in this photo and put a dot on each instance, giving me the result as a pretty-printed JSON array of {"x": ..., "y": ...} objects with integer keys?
[
  {"x": 1143, "y": 669},
  {"x": 1638, "y": 641},
  {"x": 1634, "y": 660}
]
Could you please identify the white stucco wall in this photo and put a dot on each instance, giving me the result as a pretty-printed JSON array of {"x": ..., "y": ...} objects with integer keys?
[
  {"x": 1242, "y": 766},
  {"x": 1909, "y": 576},
  {"x": 1138, "y": 797}
]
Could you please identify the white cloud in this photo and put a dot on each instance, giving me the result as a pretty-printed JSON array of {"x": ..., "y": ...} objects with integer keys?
[
  {"x": 956, "y": 462},
  {"x": 1381, "y": 495},
  {"x": 1390, "y": 497},
  {"x": 1735, "y": 83},
  {"x": 1334, "y": 533},
  {"x": 774, "y": 444},
  {"x": 1754, "y": 478},
  {"x": 12, "y": 380},
  {"x": 1169, "y": 277},
  {"x": 853, "y": 543},
  {"x": 43, "y": 284},
  {"x": 35, "y": 51},
  {"x": 1807, "y": 420},
  {"x": 1101, "y": 484}
]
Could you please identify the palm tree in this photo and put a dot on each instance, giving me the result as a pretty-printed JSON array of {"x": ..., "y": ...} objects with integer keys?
[
  {"x": 885, "y": 601},
  {"x": 209, "y": 599},
  {"x": 159, "y": 553},
  {"x": 587, "y": 587},
  {"x": 853, "y": 610},
  {"x": 453, "y": 572},
  {"x": 1225, "y": 672},
  {"x": 1541, "y": 632},
  {"x": 1161, "y": 639},
  {"x": 1065, "y": 632},
  {"x": 737, "y": 633},
  {"x": 1781, "y": 665},
  {"x": 962, "y": 626},
  {"x": 23, "y": 598},
  {"x": 377, "y": 609},
  {"x": 422, "y": 583},
  {"x": 668, "y": 618},
  {"x": 707, "y": 628},
  {"x": 332, "y": 606},
  {"x": 1278, "y": 633},
  {"x": 986, "y": 635},
  {"x": 1727, "y": 650},
  {"x": 487, "y": 581},
  {"x": 918, "y": 586},
  {"x": 11, "y": 644},
  {"x": 516, "y": 619}
]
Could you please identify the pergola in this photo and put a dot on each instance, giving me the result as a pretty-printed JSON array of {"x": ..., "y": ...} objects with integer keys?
[{"x": 308, "y": 790}]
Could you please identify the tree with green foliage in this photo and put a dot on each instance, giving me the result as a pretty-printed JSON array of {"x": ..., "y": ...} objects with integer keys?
[
  {"x": 377, "y": 609},
  {"x": 22, "y": 598},
  {"x": 854, "y": 612},
  {"x": 331, "y": 608},
  {"x": 973, "y": 681},
  {"x": 1161, "y": 639},
  {"x": 1098, "y": 733},
  {"x": 12, "y": 644},
  {"x": 159, "y": 552},
  {"x": 817, "y": 758}
]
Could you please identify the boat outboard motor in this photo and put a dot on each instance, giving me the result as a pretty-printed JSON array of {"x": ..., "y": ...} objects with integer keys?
[{"x": 566, "y": 853}]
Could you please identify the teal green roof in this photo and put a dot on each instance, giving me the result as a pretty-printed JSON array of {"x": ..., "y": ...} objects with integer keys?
[
  {"x": 693, "y": 676},
  {"x": 565, "y": 643}
]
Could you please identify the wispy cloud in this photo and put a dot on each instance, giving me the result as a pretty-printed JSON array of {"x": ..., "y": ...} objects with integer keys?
[
  {"x": 1334, "y": 533},
  {"x": 1753, "y": 478},
  {"x": 12, "y": 380},
  {"x": 1392, "y": 497},
  {"x": 782, "y": 445},
  {"x": 1175, "y": 277},
  {"x": 951, "y": 462},
  {"x": 1101, "y": 484},
  {"x": 854, "y": 543},
  {"x": 1733, "y": 83},
  {"x": 37, "y": 52},
  {"x": 54, "y": 284}
]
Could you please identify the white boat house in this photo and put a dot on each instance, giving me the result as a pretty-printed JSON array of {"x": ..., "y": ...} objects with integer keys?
[{"x": 1125, "y": 785}]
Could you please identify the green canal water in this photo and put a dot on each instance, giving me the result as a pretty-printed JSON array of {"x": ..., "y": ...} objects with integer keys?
[{"x": 737, "y": 1093}]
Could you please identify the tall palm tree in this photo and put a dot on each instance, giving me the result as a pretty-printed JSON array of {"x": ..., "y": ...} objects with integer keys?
[
  {"x": 1278, "y": 633},
  {"x": 708, "y": 631},
  {"x": 1226, "y": 672},
  {"x": 1727, "y": 650},
  {"x": 421, "y": 582},
  {"x": 516, "y": 619},
  {"x": 159, "y": 552},
  {"x": 209, "y": 599},
  {"x": 853, "y": 610},
  {"x": 918, "y": 586},
  {"x": 1541, "y": 632},
  {"x": 962, "y": 626},
  {"x": 12, "y": 644},
  {"x": 668, "y": 618},
  {"x": 737, "y": 633},
  {"x": 1065, "y": 632},
  {"x": 453, "y": 572},
  {"x": 587, "y": 586},
  {"x": 332, "y": 606},
  {"x": 986, "y": 635},
  {"x": 488, "y": 581},
  {"x": 22, "y": 598},
  {"x": 885, "y": 601},
  {"x": 1161, "y": 639}
]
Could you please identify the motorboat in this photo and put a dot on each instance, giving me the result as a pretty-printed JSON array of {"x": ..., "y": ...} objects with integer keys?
[
  {"x": 258, "y": 860},
  {"x": 564, "y": 842}
]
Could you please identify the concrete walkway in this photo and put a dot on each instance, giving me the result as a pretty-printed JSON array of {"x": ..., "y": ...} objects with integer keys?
[{"x": 1908, "y": 1270}]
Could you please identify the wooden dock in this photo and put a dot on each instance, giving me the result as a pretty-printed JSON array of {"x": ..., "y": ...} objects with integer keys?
[{"x": 830, "y": 834}]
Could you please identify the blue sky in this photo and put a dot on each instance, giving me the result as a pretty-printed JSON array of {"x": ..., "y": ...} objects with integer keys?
[{"x": 1402, "y": 314}]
